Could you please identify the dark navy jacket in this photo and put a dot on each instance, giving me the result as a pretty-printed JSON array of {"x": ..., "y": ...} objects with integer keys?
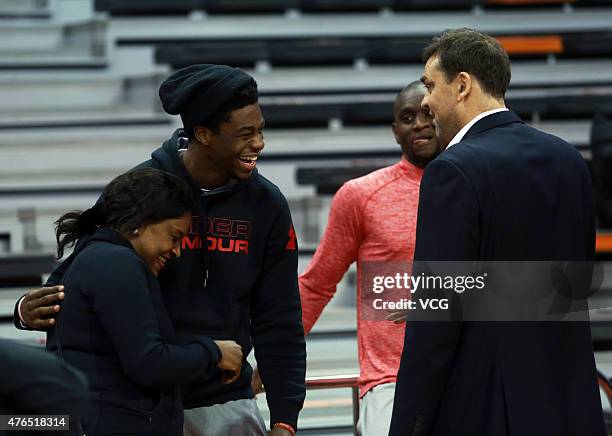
[
  {"x": 113, "y": 326},
  {"x": 505, "y": 192}
]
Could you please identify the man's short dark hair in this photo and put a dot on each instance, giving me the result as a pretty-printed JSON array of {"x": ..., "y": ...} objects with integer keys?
[
  {"x": 476, "y": 53},
  {"x": 246, "y": 96}
]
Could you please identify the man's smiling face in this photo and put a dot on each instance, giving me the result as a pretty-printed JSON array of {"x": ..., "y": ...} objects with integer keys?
[
  {"x": 234, "y": 150},
  {"x": 413, "y": 128}
]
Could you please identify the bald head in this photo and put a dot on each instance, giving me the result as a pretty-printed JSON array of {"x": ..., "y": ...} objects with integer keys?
[{"x": 413, "y": 88}]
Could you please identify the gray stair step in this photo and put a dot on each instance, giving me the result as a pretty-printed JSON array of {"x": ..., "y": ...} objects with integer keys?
[
  {"x": 28, "y": 92},
  {"x": 31, "y": 9},
  {"x": 60, "y": 59},
  {"x": 135, "y": 30},
  {"x": 587, "y": 72},
  {"x": 109, "y": 116}
]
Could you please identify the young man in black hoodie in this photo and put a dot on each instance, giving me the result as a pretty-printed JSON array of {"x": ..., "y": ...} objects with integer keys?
[{"x": 237, "y": 275}]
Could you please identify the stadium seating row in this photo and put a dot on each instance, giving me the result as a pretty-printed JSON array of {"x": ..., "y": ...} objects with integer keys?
[
  {"x": 349, "y": 50},
  {"x": 156, "y": 7}
]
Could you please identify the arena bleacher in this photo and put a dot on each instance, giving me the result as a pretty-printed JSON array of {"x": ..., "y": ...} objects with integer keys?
[{"x": 79, "y": 79}]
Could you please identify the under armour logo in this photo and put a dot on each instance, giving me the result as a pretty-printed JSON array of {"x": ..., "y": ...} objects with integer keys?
[{"x": 291, "y": 244}]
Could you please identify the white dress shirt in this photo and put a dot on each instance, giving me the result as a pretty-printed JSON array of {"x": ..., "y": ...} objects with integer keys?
[{"x": 459, "y": 136}]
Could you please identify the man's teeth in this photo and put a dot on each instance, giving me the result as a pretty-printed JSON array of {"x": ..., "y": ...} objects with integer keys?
[{"x": 249, "y": 159}]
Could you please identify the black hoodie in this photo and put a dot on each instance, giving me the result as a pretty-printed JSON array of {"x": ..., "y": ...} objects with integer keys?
[
  {"x": 244, "y": 287},
  {"x": 114, "y": 327}
]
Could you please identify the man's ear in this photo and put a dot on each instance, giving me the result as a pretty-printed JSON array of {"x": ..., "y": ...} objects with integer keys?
[
  {"x": 464, "y": 85},
  {"x": 202, "y": 134}
]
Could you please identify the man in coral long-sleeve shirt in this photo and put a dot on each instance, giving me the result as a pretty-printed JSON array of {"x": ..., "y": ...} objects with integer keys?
[{"x": 373, "y": 219}]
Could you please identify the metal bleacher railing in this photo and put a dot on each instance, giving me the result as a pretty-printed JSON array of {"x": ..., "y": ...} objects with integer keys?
[
  {"x": 606, "y": 387},
  {"x": 339, "y": 381}
]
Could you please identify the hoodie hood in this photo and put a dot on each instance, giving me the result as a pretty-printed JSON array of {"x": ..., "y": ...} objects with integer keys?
[
  {"x": 167, "y": 158},
  {"x": 101, "y": 234}
]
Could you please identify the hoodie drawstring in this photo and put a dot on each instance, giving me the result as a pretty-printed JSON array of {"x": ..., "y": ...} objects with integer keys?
[{"x": 205, "y": 254}]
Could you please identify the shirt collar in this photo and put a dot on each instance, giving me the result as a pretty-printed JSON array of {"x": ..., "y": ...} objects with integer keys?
[
  {"x": 409, "y": 169},
  {"x": 459, "y": 136}
]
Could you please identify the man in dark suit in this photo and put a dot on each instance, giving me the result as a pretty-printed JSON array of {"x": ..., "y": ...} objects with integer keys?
[{"x": 501, "y": 191}]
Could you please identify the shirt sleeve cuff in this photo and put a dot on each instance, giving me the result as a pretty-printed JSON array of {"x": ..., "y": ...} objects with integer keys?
[{"x": 21, "y": 323}]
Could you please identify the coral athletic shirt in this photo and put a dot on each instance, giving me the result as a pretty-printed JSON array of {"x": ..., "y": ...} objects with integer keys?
[{"x": 372, "y": 218}]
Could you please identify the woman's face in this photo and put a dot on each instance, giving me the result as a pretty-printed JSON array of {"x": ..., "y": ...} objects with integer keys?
[{"x": 156, "y": 243}]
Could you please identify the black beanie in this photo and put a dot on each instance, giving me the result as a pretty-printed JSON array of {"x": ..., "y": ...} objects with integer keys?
[{"x": 198, "y": 92}]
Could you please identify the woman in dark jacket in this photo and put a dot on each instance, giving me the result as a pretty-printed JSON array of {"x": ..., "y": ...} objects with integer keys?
[{"x": 113, "y": 324}]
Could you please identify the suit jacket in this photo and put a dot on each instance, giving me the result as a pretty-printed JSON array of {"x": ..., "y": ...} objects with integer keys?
[{"x": 505, "y": 192}]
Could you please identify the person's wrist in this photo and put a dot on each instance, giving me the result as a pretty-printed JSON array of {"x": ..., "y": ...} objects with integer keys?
[
  {"x": 285, "y": 426},
  {"x": 21, "y": 321},
  {"x": 219, "y": 355}
]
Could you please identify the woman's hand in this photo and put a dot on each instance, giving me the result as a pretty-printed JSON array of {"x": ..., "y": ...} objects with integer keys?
[{"x": 231, "y": 360}]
